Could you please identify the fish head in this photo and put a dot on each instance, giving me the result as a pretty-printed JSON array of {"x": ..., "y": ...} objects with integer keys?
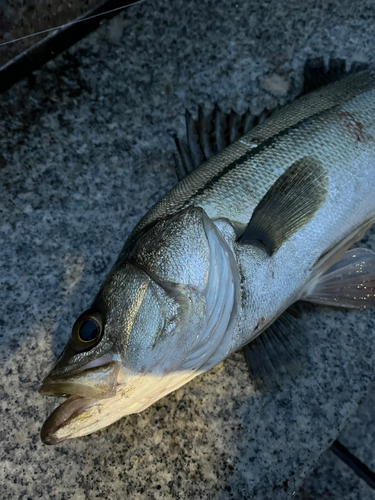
[{"x": 161, "y": 317}]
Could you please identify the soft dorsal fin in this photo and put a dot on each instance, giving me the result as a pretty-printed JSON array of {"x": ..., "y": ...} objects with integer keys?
[
  {"x": 288, "y": 205},
  {"x": 210, "y": 134}
]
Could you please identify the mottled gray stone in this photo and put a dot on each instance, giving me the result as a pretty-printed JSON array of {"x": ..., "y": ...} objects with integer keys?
[
  {"x": 84, "y": 154},
  {"x": 359, "y": 435},
  {"x": 334, "y": 480},
  {"x": 24, "y": 18}
]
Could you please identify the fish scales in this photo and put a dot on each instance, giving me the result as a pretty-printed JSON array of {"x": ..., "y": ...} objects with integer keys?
[
  {"x": 255, "y": 228},
  {"x": 238, "y": 155}
]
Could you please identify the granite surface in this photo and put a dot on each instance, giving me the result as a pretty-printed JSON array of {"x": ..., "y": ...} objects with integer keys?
[
  {"x": 83, "y": 155},
  {"x": 332, "y": 478},
  {"x": 359, "y": 435},
  {"x": 23, "y": 18}
]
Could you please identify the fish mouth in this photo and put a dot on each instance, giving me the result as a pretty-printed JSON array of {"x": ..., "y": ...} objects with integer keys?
[
  {"x": 52, "y": 431},
  {"x": 86, "y": 390}
]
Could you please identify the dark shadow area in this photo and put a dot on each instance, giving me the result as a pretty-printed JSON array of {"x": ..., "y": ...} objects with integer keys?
[{"x": 52, "y": 44}]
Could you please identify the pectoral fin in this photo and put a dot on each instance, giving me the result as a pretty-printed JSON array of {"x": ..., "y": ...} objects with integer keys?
[
  {"x": 289, "y": 205},
  {"x": 349, "y": 283}
]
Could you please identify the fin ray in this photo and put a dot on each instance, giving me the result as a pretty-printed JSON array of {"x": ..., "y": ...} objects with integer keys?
[
  {"x": 349, "y": 283},
  {"x": 317, "y": 75},
  {"x": 210, "y": 134},
  {"x": 288, "y": 205},
  {"x": 278, "y": 352},
  {"x": 334, "y": 254}
]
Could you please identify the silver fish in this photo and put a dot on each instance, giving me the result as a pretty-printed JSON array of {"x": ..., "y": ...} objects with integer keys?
[{"x": 261, "y": 224}]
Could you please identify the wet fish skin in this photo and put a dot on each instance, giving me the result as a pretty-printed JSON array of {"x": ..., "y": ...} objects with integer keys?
[
  {"x": 171, "y": 320},
  {"x": 185, "y": 292}
]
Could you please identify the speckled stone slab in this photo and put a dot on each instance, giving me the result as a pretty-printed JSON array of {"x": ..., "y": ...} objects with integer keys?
[
  {"x": 24, "y": 18},
  {"x": 83, "y": 155},
  {"x": 332, "y": 478}
]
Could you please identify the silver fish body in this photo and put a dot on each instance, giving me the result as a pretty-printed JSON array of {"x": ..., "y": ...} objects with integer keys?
[{"x": 221, "y": 256}]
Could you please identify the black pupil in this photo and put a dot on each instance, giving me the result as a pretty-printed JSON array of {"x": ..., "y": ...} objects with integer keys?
[{"x": 88, "y": 330}]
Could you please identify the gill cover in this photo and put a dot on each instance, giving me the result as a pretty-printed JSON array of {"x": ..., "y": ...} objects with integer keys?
[
  {"x": 164, "y": 308},
  {"x": 187, "y": 297}
]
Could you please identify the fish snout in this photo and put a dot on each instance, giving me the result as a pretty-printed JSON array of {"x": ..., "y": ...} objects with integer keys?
[{"x": 98, "y": 382}]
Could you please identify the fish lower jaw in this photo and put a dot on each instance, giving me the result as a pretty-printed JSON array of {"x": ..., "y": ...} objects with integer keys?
[
  {"x": 60, "y": 418},
  {"x": 78, "y": 416}
]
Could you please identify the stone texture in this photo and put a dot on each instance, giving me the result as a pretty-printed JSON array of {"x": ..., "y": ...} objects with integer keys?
[
  {"x": 334, "y": 480},
  {"x": 359, "y": 435},
  {"x": 23, "y": 18},
  {"x": 275, "y": 84},
  {"x": 83, "y": 155}
]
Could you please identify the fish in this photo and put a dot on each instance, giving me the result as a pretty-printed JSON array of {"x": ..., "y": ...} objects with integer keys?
[{"x": 264, "y": 215}]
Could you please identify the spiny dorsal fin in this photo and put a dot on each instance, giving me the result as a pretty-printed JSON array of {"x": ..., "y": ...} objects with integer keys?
[
  {"x": 316, "y": 74},
  {"x": 210, "y": 134},
  {"x": 288, "y": 205},
  {"x": 279, "y": 351}
]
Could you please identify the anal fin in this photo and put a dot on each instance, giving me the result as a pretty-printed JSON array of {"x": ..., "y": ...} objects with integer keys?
[{"x": 349, "y": 283}]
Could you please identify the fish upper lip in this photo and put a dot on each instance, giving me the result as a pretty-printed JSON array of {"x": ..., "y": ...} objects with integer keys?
[
  {"x": 84, "y": 388},
  {"x": 98, "y": 382}
]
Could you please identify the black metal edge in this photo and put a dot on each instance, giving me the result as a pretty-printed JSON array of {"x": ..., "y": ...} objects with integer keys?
[
  {"x": 354, "y": 463},
  {"x": 56, "y": 42}
]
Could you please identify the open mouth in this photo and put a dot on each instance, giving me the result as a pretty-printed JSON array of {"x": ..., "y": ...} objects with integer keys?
[
  {"x": 85, "y": 392},
  {"x": 74, "y": 407}
]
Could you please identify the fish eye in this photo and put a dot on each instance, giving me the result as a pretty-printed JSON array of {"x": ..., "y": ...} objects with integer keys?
[
  {"x": 88, "y": 331},
  {"x": 88, "y": 328}
]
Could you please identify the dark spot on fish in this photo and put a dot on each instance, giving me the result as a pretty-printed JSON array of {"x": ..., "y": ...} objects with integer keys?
[
  {"x": 260, "y": 323},
  {"x": 354, "y": 126}
]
